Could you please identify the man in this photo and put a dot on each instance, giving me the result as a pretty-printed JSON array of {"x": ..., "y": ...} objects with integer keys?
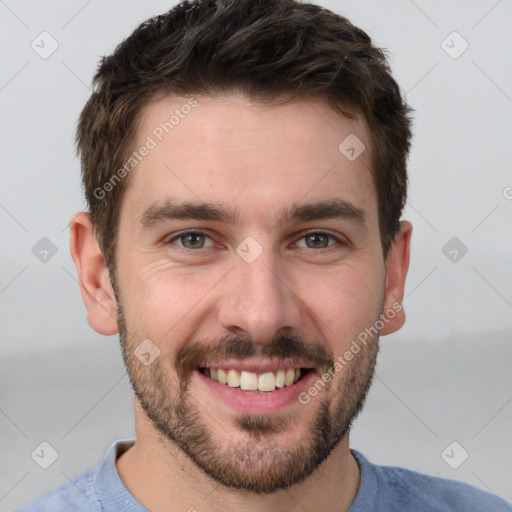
[{"x": 244, "y": 163}]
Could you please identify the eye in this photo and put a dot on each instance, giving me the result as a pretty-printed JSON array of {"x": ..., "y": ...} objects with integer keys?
[
  {"x": 318, "y": 240},
  {"x": 190, "y": 240},
  {"x": 198, "y": 240}
]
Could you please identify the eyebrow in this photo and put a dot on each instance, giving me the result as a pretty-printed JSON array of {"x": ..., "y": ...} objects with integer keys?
[{"x": 326, "y": 209}]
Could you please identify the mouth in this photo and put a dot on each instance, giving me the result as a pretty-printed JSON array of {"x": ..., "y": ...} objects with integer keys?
[
  {"x": 256, "y": 382},
  {"x": 255, "y": 386}
]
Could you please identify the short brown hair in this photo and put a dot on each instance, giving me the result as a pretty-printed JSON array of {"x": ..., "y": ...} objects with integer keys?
[{"x": 263, "y": 48}]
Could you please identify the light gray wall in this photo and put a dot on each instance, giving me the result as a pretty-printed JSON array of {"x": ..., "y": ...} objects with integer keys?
[{"x": 459, "y": 314}]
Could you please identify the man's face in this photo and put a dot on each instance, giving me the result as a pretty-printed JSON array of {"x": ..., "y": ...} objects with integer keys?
[{"x": 265, "y": 287}]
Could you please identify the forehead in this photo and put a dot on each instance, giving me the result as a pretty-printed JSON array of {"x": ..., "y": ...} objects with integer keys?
[{"x": 255, "y": 158}]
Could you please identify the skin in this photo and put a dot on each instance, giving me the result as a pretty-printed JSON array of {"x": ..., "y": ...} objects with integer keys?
[{"x": 236, "y": 153}]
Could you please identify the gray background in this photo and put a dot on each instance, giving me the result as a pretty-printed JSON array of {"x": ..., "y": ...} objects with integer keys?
[{"x": 444, "y": 377}]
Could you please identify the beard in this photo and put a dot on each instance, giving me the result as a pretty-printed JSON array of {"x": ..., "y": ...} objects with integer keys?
[{"x": 248, "y": 458}]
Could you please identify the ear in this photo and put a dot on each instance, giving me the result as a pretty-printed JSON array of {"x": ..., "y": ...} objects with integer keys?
[
  {"x": 397, "y": 265},
  {"x": 93, "y": 276}
]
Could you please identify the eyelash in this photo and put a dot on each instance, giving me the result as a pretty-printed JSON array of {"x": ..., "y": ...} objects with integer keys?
[{"x": 170, "y": 241}]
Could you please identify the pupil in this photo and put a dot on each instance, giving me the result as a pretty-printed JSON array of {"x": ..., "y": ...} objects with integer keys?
[
  {"x": 314, "y": 237},
  {"x": 192, "y": 237}
]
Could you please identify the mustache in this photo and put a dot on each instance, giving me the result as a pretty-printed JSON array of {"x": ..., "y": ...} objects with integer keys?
[{"x": 284, "y": 346}]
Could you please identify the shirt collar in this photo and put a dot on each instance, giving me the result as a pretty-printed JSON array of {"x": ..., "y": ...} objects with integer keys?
[{"x": 112, "y": 493}]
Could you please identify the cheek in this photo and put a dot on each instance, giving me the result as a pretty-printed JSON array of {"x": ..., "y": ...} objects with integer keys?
[
  {"x": 345, "y": 304},
  {"x": 161, "y": 301}
]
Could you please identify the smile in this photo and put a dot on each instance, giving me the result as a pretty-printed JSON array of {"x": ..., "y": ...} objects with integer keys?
[{"x": 256, "y": 382}]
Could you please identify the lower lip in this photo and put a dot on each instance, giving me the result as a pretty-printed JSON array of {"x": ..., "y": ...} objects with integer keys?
[{"x": 258, "y": 403}]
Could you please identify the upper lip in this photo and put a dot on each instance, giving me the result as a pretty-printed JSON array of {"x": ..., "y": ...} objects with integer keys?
[{"x": 253, "y": 366}]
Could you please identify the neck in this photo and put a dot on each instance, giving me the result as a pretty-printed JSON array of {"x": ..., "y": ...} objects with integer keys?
[{"x": 161, "y": 477}]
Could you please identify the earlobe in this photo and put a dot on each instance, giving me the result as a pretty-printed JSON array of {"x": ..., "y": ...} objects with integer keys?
[
  {"x": 95, "y": 286},
  {"x": 397, "y": 265}
]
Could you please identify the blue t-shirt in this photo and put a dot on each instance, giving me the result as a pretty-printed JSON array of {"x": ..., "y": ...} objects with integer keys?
[{"x": 382, "y": 489}]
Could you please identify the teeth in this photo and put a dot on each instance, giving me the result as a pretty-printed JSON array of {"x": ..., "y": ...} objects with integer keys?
[
  {"x": 233, "y": 378},
  {"x": 266, "y": 381},
  {"x": 222, "y": 375},
  {"x": 280, "y": 378},
  {"x": 290, "y": 377},
  {"x": 249, "y": 381}
]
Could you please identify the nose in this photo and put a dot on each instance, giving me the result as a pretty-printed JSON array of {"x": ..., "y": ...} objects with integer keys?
[{"x": 257, "y": 299}]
